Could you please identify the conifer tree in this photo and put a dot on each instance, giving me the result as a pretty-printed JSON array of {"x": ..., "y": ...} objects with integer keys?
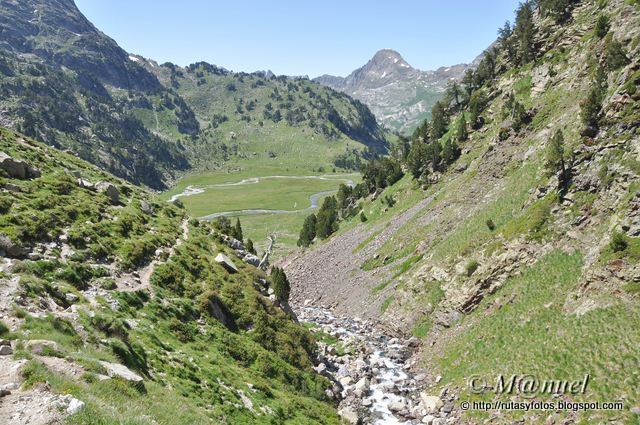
[
  {"x": 450, "y": 152},
  {"x": 554, "y": 158},
  {"x": 327, "y": 218},
  {"x": 308, "y": 231},
  {"x": 524, "y": 32},
  {"x": 281, "y": 285},
  {"x": 237, "y": 230},
  {"x": 602, "y": 26},
  {"x": 438, "y": 121},
  {"x": 461, "y": 131},
  {"x": 250, "y": 248}
]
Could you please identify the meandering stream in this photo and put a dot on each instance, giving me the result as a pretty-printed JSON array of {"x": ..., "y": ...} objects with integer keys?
[{"x": 313, "y": 199}]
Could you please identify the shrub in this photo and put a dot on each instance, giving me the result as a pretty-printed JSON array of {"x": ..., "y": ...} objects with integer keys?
[
  {"x": 618, "y": 242},
  {"x": 491, "y": 225},
  {"x": 471, "y": 267},
  {"x": 602, "y": 26},
  {"x": 389, "y": 201},
  {"x": 4, "y": 329},
  {"x": 363, "y": 218},
  {"x": 616, "y": 57}
]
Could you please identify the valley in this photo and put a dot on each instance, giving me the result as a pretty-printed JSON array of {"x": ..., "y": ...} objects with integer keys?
[
  {"x": 266, "y": 204},
  {"x": 185, "y": 244}
]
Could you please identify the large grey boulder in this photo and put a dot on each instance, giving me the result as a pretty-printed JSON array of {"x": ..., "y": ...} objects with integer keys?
[
  {"x": 251, "y": 259},
  {"x": 16, "y": 168},
  {"x": 115, "y": 370},
  {"x": 226, "y": 263},
  {"x": 146, "y": 207},
  {"x": 432, "y": 404},
  {"x": 110, "y": 190},
  {"x": 11, "y": 249}
]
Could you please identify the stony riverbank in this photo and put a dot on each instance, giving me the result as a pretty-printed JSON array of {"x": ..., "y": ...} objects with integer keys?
[{"x": 373, "y": 374}]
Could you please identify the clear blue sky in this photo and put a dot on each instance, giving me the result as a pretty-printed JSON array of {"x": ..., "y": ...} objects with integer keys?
[{"x": 300, "y": 37}]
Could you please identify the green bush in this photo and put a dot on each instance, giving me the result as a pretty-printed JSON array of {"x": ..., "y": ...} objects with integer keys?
[
  {"x": 33, "y": 373},
  {"x": 4, "y": 329},
  {"x": 471, "y": 267},
  {"x": 618, "y": 242},
  {"x": 602, "y": 26},
  {"x": 491, "y": 225},
  {"x": 363, "y": 218}
]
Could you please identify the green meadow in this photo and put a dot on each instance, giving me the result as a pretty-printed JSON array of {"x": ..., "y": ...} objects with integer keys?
[{"x": 260, "y": 188}]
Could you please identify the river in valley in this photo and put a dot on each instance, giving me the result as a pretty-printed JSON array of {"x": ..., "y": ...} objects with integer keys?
[{"x": 371, "y": 373}]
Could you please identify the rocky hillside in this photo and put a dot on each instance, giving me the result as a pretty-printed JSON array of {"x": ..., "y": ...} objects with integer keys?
[
  {"x": 524, "y": 252},
  {"x": 65, "y": 83},
  {"x": 115, "y": 307},
  {"x": 399, "y": 95}
]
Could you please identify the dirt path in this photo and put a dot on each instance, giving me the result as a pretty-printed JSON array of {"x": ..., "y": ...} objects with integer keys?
[
  {"x": 330, "y": 275},
  {"x": 141, "y": 279}
]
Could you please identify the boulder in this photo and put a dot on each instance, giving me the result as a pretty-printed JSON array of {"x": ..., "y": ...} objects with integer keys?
[
  {"x": 350, "y": 415},
  {"x": 428, "y": 419},
  {"x": 110, "y": 190},
  {"x": 226, "y": 263},
  {"x": 251, "y": 259},
  {"x": 115, "y": 370},
  {"x": 37, "y": 345},
  {"x": 432, "y": 404},
  {"x": 86, "y": 184},
  {"x": 5, "y": 350},
  {"x": 146, "y": 207},
  {"x": 71, "y": 298},
  {"x": 14, "y": 168},
  {"x": 12, "y": 188},
  {"x": 361, "y": 389},
  {"x": 11, "y": 249},
  {"x": 75, "y": 406}
]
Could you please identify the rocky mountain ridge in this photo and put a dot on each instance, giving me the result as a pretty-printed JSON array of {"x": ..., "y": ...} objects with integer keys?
[{"x": 399, "y": 95}]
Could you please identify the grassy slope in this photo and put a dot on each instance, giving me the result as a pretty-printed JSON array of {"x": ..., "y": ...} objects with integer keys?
[
  {"x": 538, "y": 331},
  {"x": 194, "y": 367}
]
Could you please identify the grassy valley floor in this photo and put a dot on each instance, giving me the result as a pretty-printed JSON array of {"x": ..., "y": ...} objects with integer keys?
[{"x": 270, "y": 200}]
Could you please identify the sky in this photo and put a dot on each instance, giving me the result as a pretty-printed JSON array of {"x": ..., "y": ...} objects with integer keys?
[{"x": 300, "y": 37}]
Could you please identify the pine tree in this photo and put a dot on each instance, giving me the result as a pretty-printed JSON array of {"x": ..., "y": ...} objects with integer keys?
[
  {"x": 327, "y": 218},
  {"x": 450, "y": 152},
  {"x": 616, "y": 57},
  {"x": 237, "y": 230},
  {"x": 554, "y": 158},
  {"x": 281, "y": 285},
  {"x": 461, "y": 131},
  {"x": 477, "y": 103},
  {"x": 308, "y": 231},
  {"x": 602, "y": 26},
  {"x": 438, "y": 121},
  {"x": 524, "y": 32},
  {"x": 454, "y": 94},
  {"x": 416, "y": 160},
  {"x": 250, "y": 248},
  {"x": 590, "y": 107}
]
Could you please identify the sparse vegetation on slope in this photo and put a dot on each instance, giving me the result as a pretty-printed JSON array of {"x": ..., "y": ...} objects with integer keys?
[{"x": 119, "y": 276}]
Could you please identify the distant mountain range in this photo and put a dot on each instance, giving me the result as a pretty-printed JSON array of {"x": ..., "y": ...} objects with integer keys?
[{"x": 399, "y": 95}]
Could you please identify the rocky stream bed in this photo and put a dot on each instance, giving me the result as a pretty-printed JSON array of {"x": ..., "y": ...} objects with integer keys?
[{"x": 372, "y": 373}]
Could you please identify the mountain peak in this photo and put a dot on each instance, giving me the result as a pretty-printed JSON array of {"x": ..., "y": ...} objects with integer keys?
[{"x": 387, "y": 60}]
